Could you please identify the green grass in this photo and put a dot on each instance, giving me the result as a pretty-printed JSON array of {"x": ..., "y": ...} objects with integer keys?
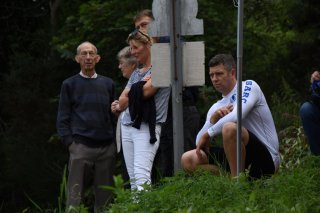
[
  {"x": 295, "y": 188},
  {"x": 290, "y": 190}
]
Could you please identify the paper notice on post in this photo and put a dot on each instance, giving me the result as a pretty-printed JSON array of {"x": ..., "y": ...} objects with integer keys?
[
  {"x": 193, "y": 64},
  {"x": 161, "y": 64}
]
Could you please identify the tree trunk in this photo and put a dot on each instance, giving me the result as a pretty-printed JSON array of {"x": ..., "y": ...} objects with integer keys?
[{"x": 54, "y": 5}]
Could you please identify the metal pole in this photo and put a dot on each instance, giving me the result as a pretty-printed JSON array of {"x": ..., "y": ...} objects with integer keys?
[
  {"x": 239, "y": 83},
  {"x": 176, "y": 82}
]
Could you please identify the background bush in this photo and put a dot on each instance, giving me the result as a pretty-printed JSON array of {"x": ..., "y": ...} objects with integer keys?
[{"x": 37, "y": 47}]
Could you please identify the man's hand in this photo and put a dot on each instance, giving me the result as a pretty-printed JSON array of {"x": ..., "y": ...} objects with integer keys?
[
  {"x": 223, "y": 111},
  {"x": 315, "y": 76},
  {"x": 203, "y": 144}
]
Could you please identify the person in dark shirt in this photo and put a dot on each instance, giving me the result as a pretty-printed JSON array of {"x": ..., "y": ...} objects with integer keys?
[
  {"x": 87, "y": 127},
  {"x": 310, "y": 115}
]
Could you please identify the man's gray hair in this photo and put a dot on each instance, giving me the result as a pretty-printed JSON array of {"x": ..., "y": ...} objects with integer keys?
[{"x": 86, "y": 42}]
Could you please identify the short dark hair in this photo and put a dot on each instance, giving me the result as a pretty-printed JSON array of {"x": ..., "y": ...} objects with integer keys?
[
  {"x": 225, "y": 59},
  {"x": 142, "y": 13}
]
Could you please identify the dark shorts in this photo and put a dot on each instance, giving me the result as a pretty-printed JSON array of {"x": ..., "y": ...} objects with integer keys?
[
  {"x": 258, "y": 158},
  {"x": 218, "y": 157}
]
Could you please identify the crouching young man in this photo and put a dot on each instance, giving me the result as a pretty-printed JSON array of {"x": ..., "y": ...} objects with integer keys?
[{"x": 259, "y": 143}]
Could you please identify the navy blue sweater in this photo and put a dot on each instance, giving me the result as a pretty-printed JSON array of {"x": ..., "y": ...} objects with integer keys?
[{"x": 84, "y": 113}]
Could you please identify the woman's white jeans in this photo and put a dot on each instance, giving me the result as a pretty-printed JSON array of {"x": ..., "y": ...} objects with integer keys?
[{"x": 139, "y": 153}]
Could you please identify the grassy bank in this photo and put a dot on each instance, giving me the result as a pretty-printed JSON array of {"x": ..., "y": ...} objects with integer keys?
[{"x": 290, "y": 190}]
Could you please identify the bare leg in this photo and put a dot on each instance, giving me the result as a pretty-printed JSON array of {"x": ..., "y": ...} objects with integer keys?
[
  {"x": 191, "y": 162},
  {"x": 229, "y": 135}
]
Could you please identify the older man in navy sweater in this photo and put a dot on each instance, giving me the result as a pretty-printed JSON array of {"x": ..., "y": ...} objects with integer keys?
[{"x": 86, "y": 126}]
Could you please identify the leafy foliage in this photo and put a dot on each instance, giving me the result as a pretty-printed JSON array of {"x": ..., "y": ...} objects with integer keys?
[
  {"x": 281, "y": 48},
  {"x": 105, "y": 23},
  {"x": 285, "y": 108},
  {"x": 294, "y": 147}
]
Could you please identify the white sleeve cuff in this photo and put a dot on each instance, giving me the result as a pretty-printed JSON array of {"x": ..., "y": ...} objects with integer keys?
[{"x": 211, "y": 132}]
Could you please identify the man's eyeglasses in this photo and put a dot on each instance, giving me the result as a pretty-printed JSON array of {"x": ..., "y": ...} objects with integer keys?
[
  {"x": 85, "y": 54},
  {"x": 136, "y": 33}
]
